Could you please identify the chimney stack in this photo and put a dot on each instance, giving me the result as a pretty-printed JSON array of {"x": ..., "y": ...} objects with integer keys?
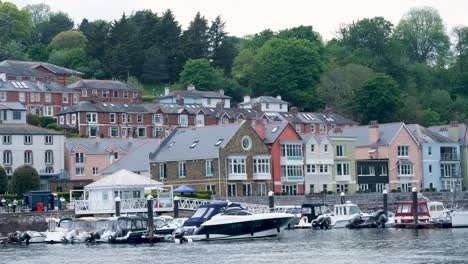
[
  {"x": 373, "y": 131},
  {"x": 180, "y": 100},
  {"x": 294, "y": 110},
  {"x": 260, "y": 129},
  {"x": 166, "y": 90},
  {"x": 219, "y": 106},
  {"x": 221, "y": 91},
  {"x": 246, "y": 98},
  {"x": 454, "y": 131},
  {"x": 338, "y": 131},
  {"x": 257, "y": 107},
  {"x": 190, "y": 87},
  {"x": 278, "y": 97}
]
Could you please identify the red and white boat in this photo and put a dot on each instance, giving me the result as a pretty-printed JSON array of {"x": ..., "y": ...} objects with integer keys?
[{"x": 404, "y": 216}]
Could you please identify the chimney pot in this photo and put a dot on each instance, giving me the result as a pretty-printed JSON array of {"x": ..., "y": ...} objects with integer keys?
[
  {"x": 374, "y": 123},
  {"x": 166, "y": 90},
  {"x": 453, "y": 124},
  {"x": 373, "y": 132},
  {"x": 179, "y": 100},
  {"x": 190, "y": 87},
  {"x": 278, "y": 97},
  {"x": 294, "y": 110},
  {"x": 246, "y": 98},
  {"x": 219, "y": 106},
  {"x": 337, "y": 130},
  {"x": 221, "y": 91}
]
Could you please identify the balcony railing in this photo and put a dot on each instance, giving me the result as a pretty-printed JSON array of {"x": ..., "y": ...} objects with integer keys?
[
  {"x": 448, "y": 156},
  {"x": 343, "y": 178},
  {"x": 292, "y": 178},
  {"x": 262, "y": 176},
  {"x": 237, "y": 177},
  {"x": 136, "y": 205}
]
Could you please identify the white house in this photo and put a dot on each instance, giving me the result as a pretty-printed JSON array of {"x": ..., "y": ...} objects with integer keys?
[
  {"x": 99, "y": 196},
  {"x": 23, "y": 144},
  {"x": 266, "y": 103},
  {"x": 193, "y": 96},
  {"x": 12, "y": 113},
  {"x": 319, "y": 160}
]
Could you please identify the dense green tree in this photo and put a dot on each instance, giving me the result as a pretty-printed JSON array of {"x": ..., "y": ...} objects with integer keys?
[
  {"x": 218, "y": 56},
  {"x": 372, "y": 34},
  {"x": 70, "y": 58},
  {"x": 195, "y": 39},
  {"x": 300, "y": 32},
  {"x": 13, "y": 50},
  {"x": 96, "y": 32},
  {"x": 379, "y": 98},
  {"x": 257, "y": 40},
  {"x": 120, "y": 51},
  {"x": 70, "y": 39},
  {"x": 39, "y": 52},
  {"x": 285, "y": 66},
  {"x": 242, "y": 68},
  {"x": 40, "y": 14},
  {"x": 154, "y": 68},
  {"x": 200, "y": 73},
  {"x": 423, "y": 32},
  {"x": 56, "y": 23},
  {"x": 15, "y": 24},
  {"x": 25, "y": 178},
  {"x": 339, "y": 84},
  {"x": 430, "y": 118},
  {"x": 3, "y": 181}
]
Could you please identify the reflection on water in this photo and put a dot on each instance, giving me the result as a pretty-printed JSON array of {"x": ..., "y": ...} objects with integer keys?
[{"x": 294, "y": 246}]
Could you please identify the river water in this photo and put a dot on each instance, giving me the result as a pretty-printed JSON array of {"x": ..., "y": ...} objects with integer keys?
[{"x": 293, "y": 246}]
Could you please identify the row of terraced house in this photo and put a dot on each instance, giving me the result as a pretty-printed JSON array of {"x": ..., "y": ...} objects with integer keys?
[{"x": 196, "y": 138}]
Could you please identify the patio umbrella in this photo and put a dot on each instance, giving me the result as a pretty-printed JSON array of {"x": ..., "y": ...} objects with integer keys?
[{"x": 184, "y": 189}]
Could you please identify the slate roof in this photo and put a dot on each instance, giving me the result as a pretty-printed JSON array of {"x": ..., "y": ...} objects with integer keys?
[
  {"x": 123, "y": 179},
  {"x": 105, "y": 107},
  {"x": 27, "y": 68},
  {"x": 25, "y": 129},
  {"x": 12, "y": 106},
  {"x": 272, "y": 131},
  {"x": 318, "y": 137},
  {"x": 102, "y": 85},
  {"x": 168, "y": 108},
  {"x": 425, "y": 135},
  {"x": 443, "y": 130},
  {"x": 233, "y": 113},
  {"x": 177, "y": 146},
  {"x": 137, "y": 160},
  {"x": 29, "y": 86},
  {"x": 264, "y": 99},
  {"x": 193, "y": 94},
  {"x": 94, "y": 146},
  {"x": 386, "y": 133}
]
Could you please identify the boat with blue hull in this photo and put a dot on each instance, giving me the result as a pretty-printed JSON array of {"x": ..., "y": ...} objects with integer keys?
[{"x": 224, "y": 220}]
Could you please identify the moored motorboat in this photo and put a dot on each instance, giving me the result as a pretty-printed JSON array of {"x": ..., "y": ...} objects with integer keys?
[
  {"x": 225, "y": 220},
  {"x": 459, "y": 218},
  {"x": 314, "y": 216},
  {"x": 125, "y": 229},
  {"x": 33, "y": 237},
  {"x": 57, "y": 230},
  {"x": 344, "y": 213},
  {"x": 404, "y": 216}
]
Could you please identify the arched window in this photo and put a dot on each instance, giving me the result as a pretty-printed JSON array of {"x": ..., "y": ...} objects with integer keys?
[
  {"x": 49, "y": 157},
  {"x": 28, "y": 157},
  {"x": 7, "y": 157}
]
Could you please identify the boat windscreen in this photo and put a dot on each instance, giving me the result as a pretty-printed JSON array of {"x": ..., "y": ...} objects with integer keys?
[
  {"x": 354, "y": 210},
  {"x": 199, "y": 213}
]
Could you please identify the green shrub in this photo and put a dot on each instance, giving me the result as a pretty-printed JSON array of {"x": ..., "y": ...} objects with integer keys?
[{"x": 25, "y": 178}]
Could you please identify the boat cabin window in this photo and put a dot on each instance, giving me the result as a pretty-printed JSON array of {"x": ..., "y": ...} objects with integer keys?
[
  {"x": 404, "y": 208},
  {"x": 354, "y": 210},
  {"x": 199, "y": 213},
  {"x": 307, "y": 210},
  {"x": 422, "y": 208}
]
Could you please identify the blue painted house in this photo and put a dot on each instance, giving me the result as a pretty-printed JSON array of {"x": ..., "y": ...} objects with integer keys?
[{"x": 440, "y": 159}]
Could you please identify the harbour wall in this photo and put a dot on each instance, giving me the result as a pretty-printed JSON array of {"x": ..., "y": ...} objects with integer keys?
[
  {"x": 21, "y": 221},
  {"x": 364, "y": 200}
]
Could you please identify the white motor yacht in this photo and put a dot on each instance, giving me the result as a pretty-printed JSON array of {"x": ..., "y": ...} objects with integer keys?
[
  {"x": 57, "y": 230},
  {"x": 343, "y": 213}
]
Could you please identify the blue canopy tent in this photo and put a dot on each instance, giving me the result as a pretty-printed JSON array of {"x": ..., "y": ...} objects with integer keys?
[{"x": 184, "y": 189}]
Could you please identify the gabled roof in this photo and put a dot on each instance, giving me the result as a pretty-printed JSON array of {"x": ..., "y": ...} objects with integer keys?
[
  {"x": 25, "y": 129},
  {"x": 29, "y": 86},
  {"x": 425, "y": 135},
  {"x": 168, "y": 108},
  {"x": 102, "y": 85},
  {"x": 233, "y": 113},
  {"x": 444, "y": 130},
  {"x": 137, "y": 160},
  {"x": 101, "y": 146},
  {"x": 264, "y": 99},
  {"x": 12, "y": 106},
  {"x": 180, "y": 144},
  {"x": 318, "y": 118},
  {"x": 27, "y": 68},
  {"x": 193, "y": 94},
  {"x": 273, "y": 131},
  {"x": 123, "y": 179},
  {"x": 306, "y": 137},
  {"x": 86, "y": 106},
  {"x": 387, "y": 132}
]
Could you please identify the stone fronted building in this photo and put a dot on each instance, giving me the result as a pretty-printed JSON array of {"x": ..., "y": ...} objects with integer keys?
[{"x": 229, "y": 160}]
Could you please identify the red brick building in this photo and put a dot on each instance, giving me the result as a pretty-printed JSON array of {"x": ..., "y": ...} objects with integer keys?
[
  {"x": 107, "y": 91},
  {"x": 45, "y": 99},
  {"x": 35, "y": 71}
]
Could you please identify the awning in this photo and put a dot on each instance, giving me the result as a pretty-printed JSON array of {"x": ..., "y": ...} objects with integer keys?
[{"x": 405, "y": 162}]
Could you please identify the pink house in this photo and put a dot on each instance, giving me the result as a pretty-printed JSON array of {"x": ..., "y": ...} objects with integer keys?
[
  {"x": 387, "y": 157},
  {"x": 85, "y": 158}
]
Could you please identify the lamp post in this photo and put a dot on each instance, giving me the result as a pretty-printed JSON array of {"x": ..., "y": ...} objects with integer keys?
[
  {"x": 117, "y": 206},
  {"x": 342, "y": 194}
]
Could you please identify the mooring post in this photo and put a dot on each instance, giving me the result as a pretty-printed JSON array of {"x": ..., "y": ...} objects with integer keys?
[
  {"x": 117, "y": 206},
  {"x": 385, "y": 202},
  {"x": 149, "y": 204},
  {"x": 342, "y": 194},
  {"x": 271, "y": 201},
  {"x": 415, "y": 205},
  {"x": 176, "y": 206}
]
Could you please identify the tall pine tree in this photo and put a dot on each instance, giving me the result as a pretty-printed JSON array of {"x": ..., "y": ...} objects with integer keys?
[{"x": 195, "y": 39}]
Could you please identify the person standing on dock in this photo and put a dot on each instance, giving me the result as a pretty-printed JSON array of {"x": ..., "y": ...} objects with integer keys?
[{"x": 15, "y": 204}]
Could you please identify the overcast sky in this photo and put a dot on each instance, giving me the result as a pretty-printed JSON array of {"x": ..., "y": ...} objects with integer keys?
[{"x": 245, "y": 17}]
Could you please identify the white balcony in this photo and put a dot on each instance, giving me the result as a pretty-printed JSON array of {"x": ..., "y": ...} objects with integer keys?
[
  {"x": 292, "y": 179},
  {"x": 136, "y": 205},
  {"x": 343, "y": 178},
  {"x": 237, "y": 177},
  {"x": 289, "y": 160},
  {"x": 262, "y": 176}
]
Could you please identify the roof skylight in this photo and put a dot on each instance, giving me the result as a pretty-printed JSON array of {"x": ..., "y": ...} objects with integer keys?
[
  {"x": 194, "y": 144},
  {"x": 219, "y": 142}
]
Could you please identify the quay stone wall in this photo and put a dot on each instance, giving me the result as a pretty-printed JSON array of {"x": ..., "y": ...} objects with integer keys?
[
  {"x": 364, "y": 200},
  {"x": 23, "y": 221}
]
